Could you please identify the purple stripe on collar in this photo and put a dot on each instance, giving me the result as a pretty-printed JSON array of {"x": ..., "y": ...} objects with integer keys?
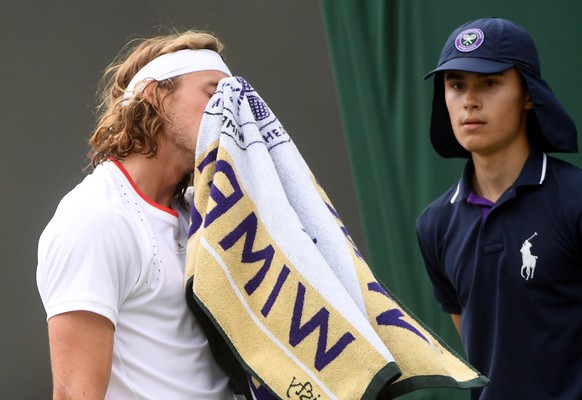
[{"x": 485, "y": 204}]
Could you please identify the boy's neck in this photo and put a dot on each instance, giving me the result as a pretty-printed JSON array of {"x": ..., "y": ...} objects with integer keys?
[{"x": 497, "y": 172}]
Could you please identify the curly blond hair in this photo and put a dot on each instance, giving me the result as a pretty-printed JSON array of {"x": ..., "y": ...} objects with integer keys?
[{"x": 137, "y": 126}]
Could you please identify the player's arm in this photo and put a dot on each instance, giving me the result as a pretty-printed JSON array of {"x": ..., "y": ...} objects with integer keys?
[
  {"x": 457, "y": 321},
  {"x": 81, "y": 347}
]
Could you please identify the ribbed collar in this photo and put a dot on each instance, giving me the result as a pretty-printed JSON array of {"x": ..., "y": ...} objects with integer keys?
[{"x": 533, "y": 173}]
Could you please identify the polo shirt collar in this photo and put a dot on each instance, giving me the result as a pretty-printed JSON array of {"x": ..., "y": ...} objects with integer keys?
[
  {"x": 534, "y": 170},
  {"x": 533, "y": 173}
]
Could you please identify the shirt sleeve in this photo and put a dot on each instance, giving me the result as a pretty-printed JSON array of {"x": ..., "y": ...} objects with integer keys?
[
  {"x": 443, "y": 289},
  {"x": 85, "y": 262}
]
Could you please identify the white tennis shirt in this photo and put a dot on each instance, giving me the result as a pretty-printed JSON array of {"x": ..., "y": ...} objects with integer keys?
[{"x": 111, "y": 251}]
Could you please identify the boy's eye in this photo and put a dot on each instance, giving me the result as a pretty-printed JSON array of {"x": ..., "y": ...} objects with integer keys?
[{"x": 455, "y": 85}]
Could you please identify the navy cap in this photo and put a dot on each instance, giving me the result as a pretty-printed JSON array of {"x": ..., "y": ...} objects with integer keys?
[{"x": 492, "y": 45}]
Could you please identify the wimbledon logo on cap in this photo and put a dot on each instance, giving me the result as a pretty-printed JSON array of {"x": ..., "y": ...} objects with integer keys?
[{"x": 469, "y": 40}]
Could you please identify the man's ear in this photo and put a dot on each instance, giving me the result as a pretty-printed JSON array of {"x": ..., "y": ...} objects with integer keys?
[{"x": 149, "y": 93}]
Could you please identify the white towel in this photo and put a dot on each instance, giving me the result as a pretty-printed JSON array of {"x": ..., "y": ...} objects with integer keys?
[{"x": 277, "y": 282}]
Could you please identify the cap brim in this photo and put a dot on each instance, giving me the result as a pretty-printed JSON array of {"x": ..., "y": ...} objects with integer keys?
[{"x": 471, "y": 64}]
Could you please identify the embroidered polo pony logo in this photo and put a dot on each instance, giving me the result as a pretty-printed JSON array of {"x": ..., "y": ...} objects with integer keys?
[{"x": 528, "y": 260}]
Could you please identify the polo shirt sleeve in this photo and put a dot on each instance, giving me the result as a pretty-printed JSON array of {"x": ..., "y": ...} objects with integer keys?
[
  {"x": 85, "y": 263},
  {"x": 443, "y": 289}
]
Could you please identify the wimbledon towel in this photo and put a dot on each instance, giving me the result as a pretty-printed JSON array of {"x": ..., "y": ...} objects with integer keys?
[{"x": 290, "y": 307}]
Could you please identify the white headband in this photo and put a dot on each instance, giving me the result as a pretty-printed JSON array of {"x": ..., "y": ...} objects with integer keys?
[{"x": 170, "y": 65}]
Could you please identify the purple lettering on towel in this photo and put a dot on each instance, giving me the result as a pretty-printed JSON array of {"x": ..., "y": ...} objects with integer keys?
[
  {"x": 303, "y": 391},
  {"x": 195, "y": 216},
  {"x": 223, "y": 203},
  {"x": 273, "y": 133},
  {"x": 276, "y": 290},
  {"x": 232, "y": 129},
  {"x": 248, "y": 227},
  {"x": 393, "y": 316},
  {"x": 298, "y": 332}
]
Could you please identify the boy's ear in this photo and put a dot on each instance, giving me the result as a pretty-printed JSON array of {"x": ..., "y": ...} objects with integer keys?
[{"x": 529, "y": 105}]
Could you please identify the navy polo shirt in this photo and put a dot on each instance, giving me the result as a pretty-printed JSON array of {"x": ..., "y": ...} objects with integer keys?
[{"x": 515, "y": 277}]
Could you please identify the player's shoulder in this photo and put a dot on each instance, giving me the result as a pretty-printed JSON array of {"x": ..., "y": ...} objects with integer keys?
[{"x": 92, "y": 205}]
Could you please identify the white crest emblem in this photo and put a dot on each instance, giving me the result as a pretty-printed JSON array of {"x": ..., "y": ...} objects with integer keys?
[
  {"x": 469, "y": 40},
  {"x": 528, "y": 260}
]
